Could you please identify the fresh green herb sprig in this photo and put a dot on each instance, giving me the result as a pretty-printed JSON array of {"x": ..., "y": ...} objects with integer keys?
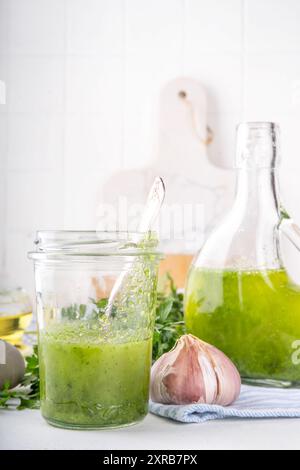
[
  {"x": 27, "y": 394},
  {"x": 169, "y": 326}
]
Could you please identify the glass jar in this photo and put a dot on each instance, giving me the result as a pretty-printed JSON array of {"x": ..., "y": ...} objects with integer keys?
[
  {"x": 239, "y": 296},
  {"x": 96, "y": 296}
]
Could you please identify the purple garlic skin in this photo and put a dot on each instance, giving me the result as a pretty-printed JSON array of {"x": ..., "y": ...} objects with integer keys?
[{"x": 194, "y": 372}]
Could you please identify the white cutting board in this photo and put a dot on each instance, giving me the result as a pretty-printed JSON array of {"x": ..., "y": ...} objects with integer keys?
[{"x": 180, "y": 157}]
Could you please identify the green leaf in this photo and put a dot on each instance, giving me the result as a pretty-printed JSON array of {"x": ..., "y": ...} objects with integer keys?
[
  {"x": 164, "y": 309},
  {"x": 27, "y": 394}
]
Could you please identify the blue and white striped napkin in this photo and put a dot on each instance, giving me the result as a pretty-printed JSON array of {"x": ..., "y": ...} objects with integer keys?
[{"x": 254, "y": 402}]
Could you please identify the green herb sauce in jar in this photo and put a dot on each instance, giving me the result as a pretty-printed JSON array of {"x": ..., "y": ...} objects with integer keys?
[{"x": 89, "y": 380}]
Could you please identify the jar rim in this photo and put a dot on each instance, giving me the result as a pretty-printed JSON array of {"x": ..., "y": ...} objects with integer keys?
[{"x": 85, "y": 244}]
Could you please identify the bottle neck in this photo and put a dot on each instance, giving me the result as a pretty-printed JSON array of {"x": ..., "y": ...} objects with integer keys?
[
  {"x": 257, "y": 193},
  {"x": 248, "y": 238},
  {"x": 256, "y": 213}
]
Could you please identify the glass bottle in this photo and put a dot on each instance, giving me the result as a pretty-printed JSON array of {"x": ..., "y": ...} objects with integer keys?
[
  {"x": 239, "y": 296},
  {"x": 95, "y": 340}
]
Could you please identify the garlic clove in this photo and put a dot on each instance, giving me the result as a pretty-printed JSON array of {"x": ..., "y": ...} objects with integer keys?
[
  {"x": 186, "y": 386},
  {"x": 194, "y": 372},
  {"x": 209, "y": 379},
  {"x": 228, "y": 377}
]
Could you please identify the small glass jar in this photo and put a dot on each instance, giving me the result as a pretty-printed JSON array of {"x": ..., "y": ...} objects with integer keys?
[
  {"x": 96, "y": 295},
  {"x": 15, "y": 316}
]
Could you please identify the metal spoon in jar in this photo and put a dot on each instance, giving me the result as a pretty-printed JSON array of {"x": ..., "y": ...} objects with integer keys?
[{"x": 153, "y": 205}]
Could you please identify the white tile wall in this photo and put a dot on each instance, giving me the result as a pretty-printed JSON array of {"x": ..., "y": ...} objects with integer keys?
[
  {"x": 272, "y": 82},
  {"x": 18, "y": 267},
  {"x": 92, "y": 142},
  {"x": 214, "y": 26},
  {"x": 154, "y": 27},
  {"x": 272, "y": 25},
  {"x": 94, "y": 26},
  {"x": 94, "y": 85},
  {"x": 4, "y": 26},
  {"x": 290, "y": 128},
  {"x": 81, "y": 196},
  {"x": 36, "y": 26},
  {"x": 34, "y": 199},
  {"x": 83, "y": 79},
  {"x": 35, "y": 84},
  {"x": 35, "y": 142},
  {"x": 3, "y": 141},
  {"x": 143, "y": 83},
  {"x": 153, "y": 55}
]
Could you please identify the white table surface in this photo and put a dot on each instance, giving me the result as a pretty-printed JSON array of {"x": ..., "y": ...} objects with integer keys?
[{"x": 27, "y": 430}]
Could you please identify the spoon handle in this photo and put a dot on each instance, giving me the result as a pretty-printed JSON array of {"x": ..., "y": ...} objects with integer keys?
[{"x": 154, "y": 202}]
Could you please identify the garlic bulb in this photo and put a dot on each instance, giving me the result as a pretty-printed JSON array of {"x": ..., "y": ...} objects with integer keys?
[{"x": 194, "y": 372}]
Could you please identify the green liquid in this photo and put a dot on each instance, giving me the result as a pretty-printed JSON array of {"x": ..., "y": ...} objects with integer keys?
[
  {"x": 252, "y": 316},
  {"x": 89, "y": 382}
]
